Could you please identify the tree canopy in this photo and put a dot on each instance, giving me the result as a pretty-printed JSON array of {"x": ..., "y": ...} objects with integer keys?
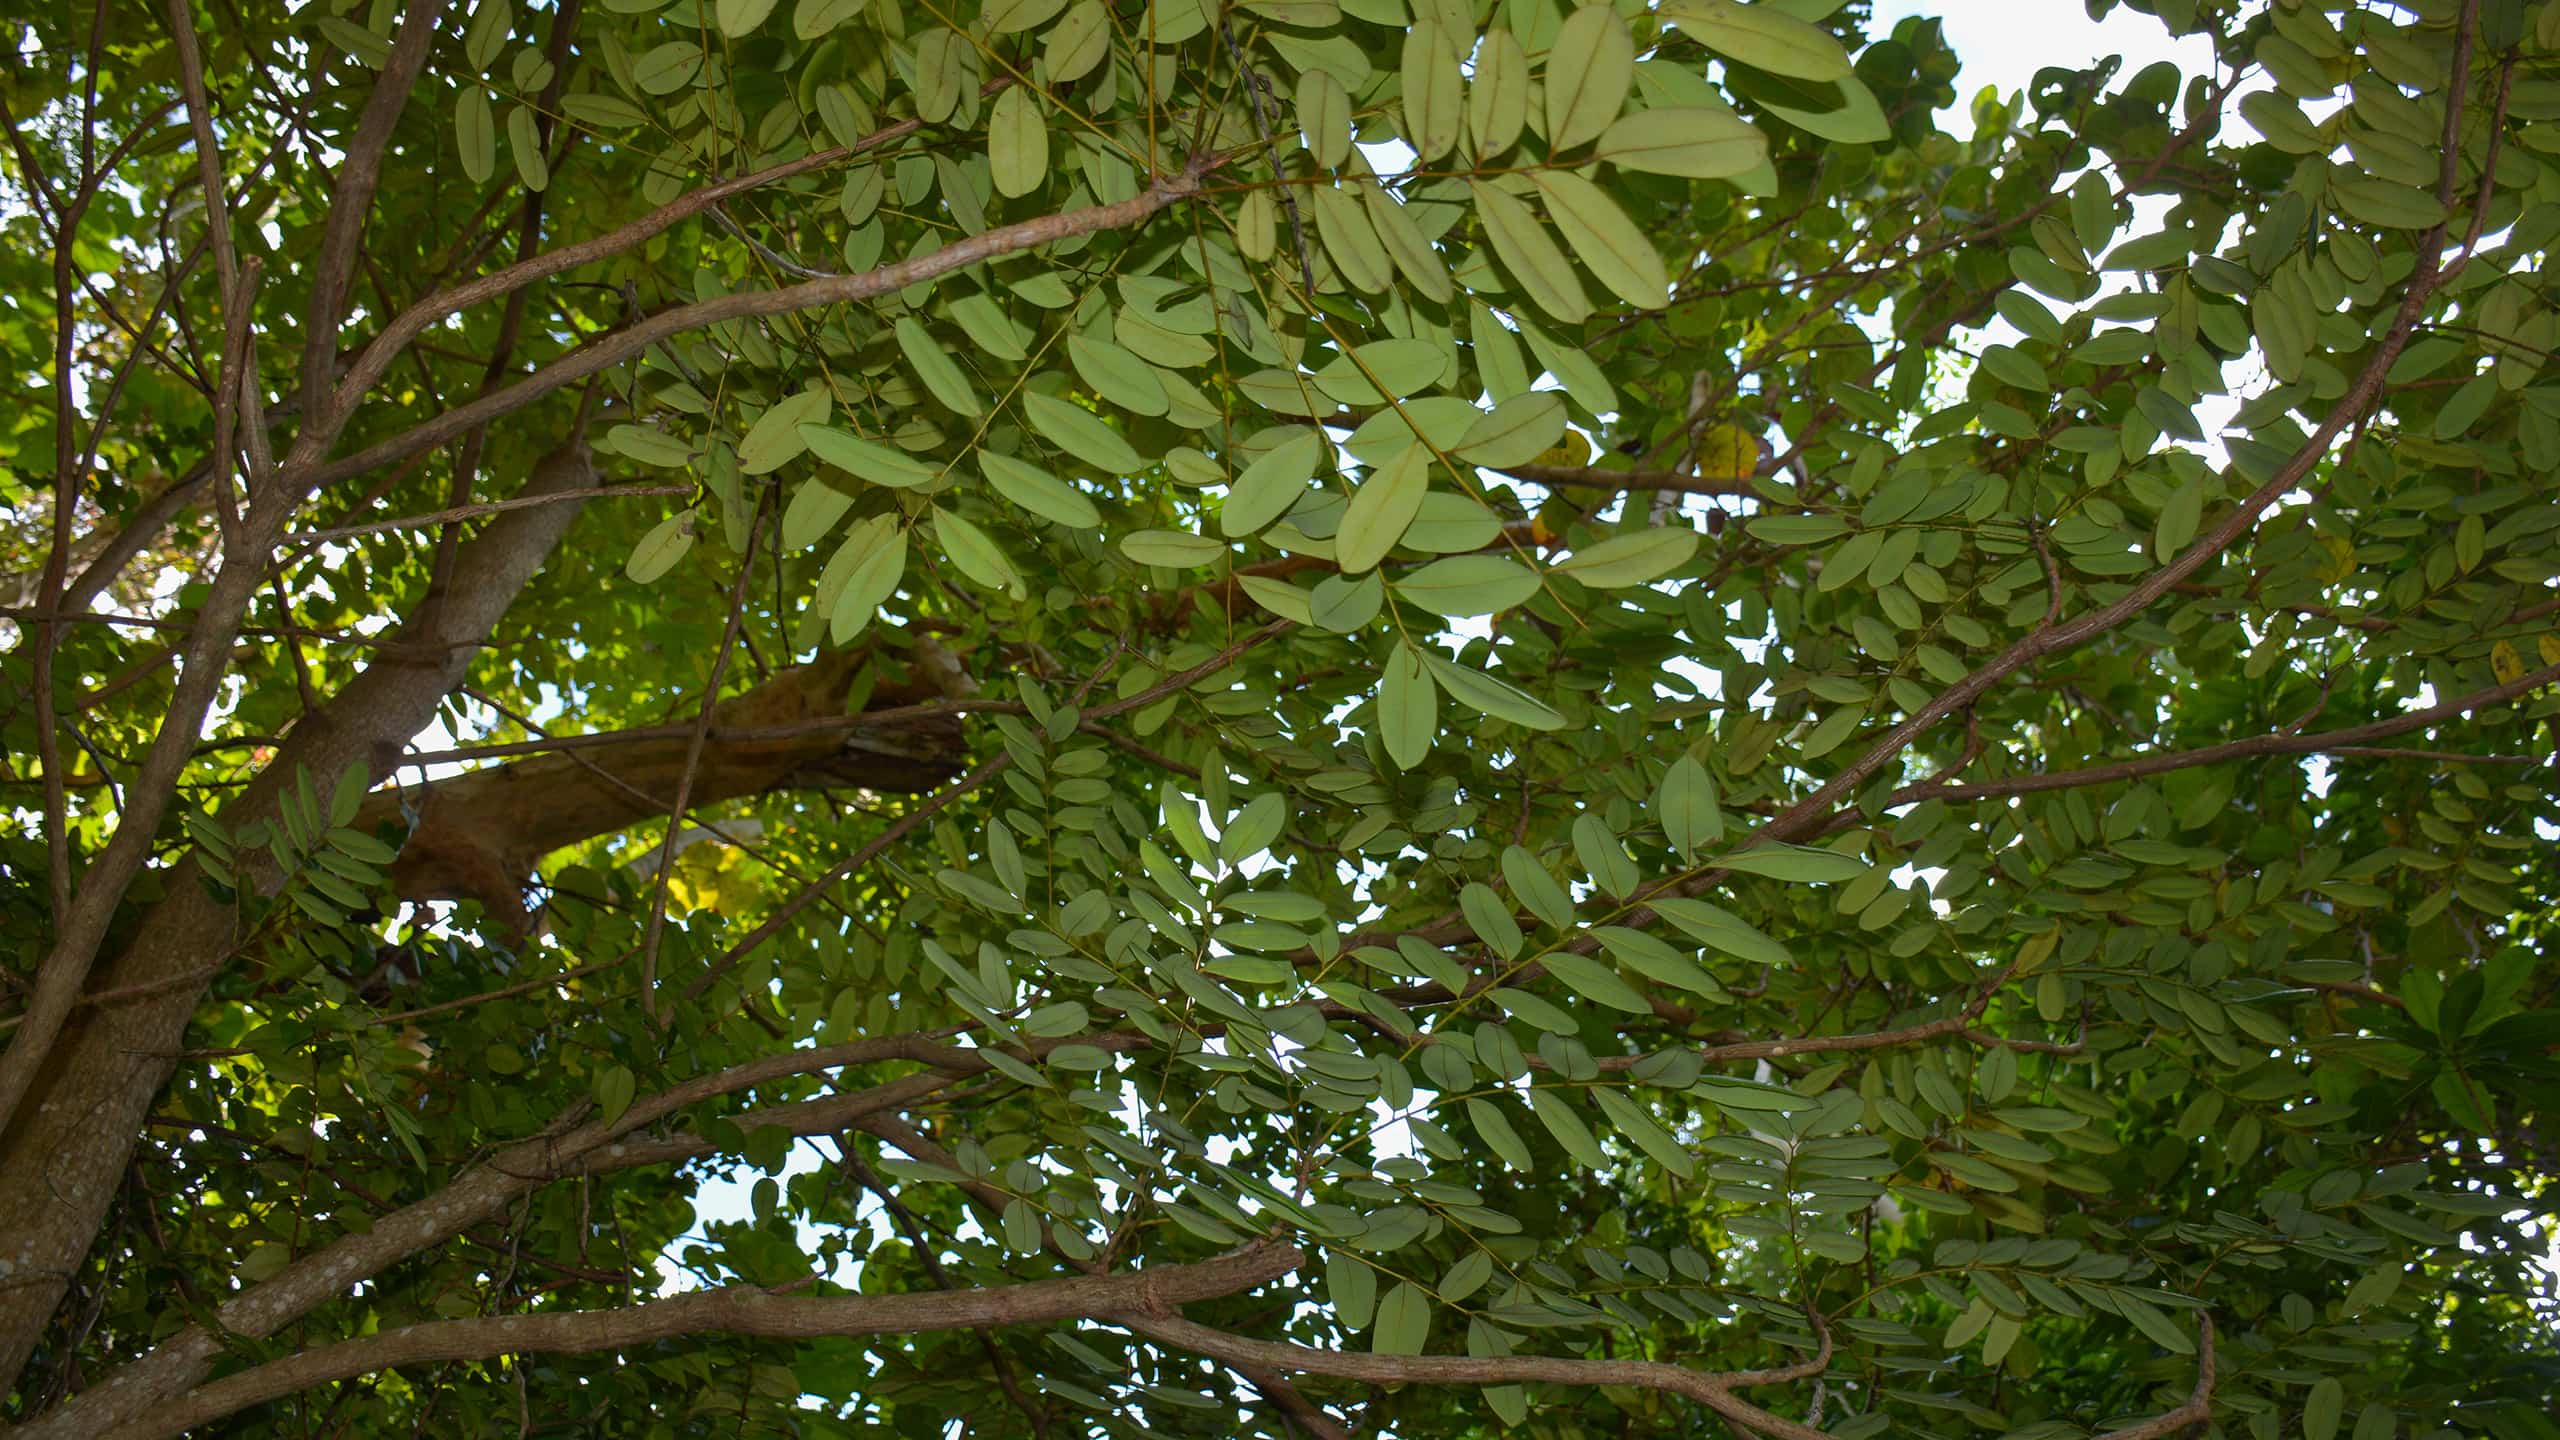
[{"x": 1294, "y": 717}]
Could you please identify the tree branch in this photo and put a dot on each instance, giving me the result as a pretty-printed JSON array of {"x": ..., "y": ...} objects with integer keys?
[
  {"x": 728, "y": 1310},
  {"x": 627, "y": 344},
  {"x": 1711, "y": 1389}
]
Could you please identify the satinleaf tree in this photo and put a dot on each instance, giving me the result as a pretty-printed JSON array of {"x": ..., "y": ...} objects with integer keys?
[{"x": 1277, "y": 717}]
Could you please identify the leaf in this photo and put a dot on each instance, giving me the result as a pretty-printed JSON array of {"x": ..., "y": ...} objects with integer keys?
[
  {"x": 1601, "y": 854},
  {"x": 1324, "y": 118},
  {"x": 1078, "y": 42},
  {"x": 976, "y": 553},
  {"x": 1478, "y": 691},
  {"x": 1279, "y": 597},
  {"x": 1408, "y": 708},
  {"x": 1490, "y": 919},
  {"x": 1711, "y": 925},
  {"x": 1534, "y": 887},
  {"x": 1700, "y": 143},
  {"x": 475, "y": 134},
  {"x": 1630, "y": 1120},
  {"x": 1529, "y": 255},
  {"x": 1567, "y": 1128},
  {"x": 1596, "y": 982},
  {"x": 1080, "y": 433},
  {"x": 1498, "y": 1135},
  {"x": 660, "y": 549},
  {"x": 1515, "y": 432},
  {"x": 1468, "y": 585},
  {"x": 1175, "y": 549},
  {"x": 1011, "y": 17},
  {"x": 1017, "y": 143},
  {"x": 1404, "y": 1321},
  {"x": 1685, "y": 803},
  {"x": 614, "y": 1087},
  {"x": 775, "y": 439},
  {"x": 1350, "y": 239},
  {"x": 1632, "y": 559},
  {"x": 1588, "y": 70},
  {"x": 2322, "y": 1406},
  {"x": 1498, "y": 93},
  {"x": 1117, "y": 375},
  {"x": 1618, "y": 254},
  {"x": 1433, "y": 98},
  {"x": 1276, "y": 480},
  {"x": 1793, "y": 862},
  {"x": 864, "y": 459},
  {"x": 942, "y": 376},
  {"x": 1352, "y": 1286},
  {"x": 1038, "y": 491},
  {"x": 1763, "y": 37},
  {"x": 741, "y": 17},
  {"x": 814, "y": 510},
  {"x": 865, "y": 571},
  {"x": 1405, "y": 245},
  {"x": 1380, "y": 509}
]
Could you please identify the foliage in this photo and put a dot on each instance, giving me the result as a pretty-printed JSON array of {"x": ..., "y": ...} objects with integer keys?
[{"x": 1426, "y": 716}]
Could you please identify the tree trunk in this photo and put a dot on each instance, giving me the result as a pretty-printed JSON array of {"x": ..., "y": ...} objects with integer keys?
[{"x": 66, "y": 1150}]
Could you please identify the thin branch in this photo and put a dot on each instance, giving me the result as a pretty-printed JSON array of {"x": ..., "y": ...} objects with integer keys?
[{"x": 2199, "y": 1406}]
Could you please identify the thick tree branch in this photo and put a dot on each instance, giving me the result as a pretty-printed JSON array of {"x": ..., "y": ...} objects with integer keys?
[{"x": 729, "y": 1310}]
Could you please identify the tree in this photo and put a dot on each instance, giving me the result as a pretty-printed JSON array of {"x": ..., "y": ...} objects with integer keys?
[{"x": 1299, "y": 718}]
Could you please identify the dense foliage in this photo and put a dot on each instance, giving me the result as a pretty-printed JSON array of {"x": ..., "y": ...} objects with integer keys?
[{"x": 1433, "y": 717}]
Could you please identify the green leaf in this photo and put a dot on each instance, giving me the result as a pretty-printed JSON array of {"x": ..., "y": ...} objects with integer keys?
[
  {"x": 2322, "y": 1407},
  {"x": 813, "y": 512},
  {"x": 1711, "y": 925},
  {"x": 1017, "y": 143},
  {"x": 1038, "y": 491},
  {"x": 1596, "y": 982},
  {"x": 1763, "y": 37},
  {"x": 1633, "y": 558},
  {"x": 1495, "y": 1129},
  {"x": 1516, "y": 431},
  {"x": 1685, "y": 803},
  {"x": 976, "y": 553},
  {"x": 1381, "y": 507},
  {"x": 942, "y": 376},
  {"x": 1490, "y": 919},
  {"x": 1433, "y": 93},
  {"x": 865, "y": 460},
  {"x": 1693, "y": 141},
  {"x": 1324, "y": 117},
  {"x": 1619, "y": 255},
  {"x": 1174, "y": 549},
  {"x": 1080, "y": 433},
  {"x": 660, "y": 549},
  {"x": 1589, "y": 69},
  {"x": 1352, "y": 1285},
  {"x": 741, "y": 17},
  {"x": 1793, "y": 863},
  {"x": 1408, "y": 708},
  {"x": 1350, "y": 239},
  {"x": 1567, "y": 1128},
  {"x": 475, "y": 134},
  {"x": 614, "y": 1086},
  {"x": 1117, "y": 375},
  {"x": 775, "y": 439},
  {"x": 1534, "y": 887},
  {"x": 1498, "y": 93},
  {"x": 1467, "y": 585},
  {"x": 1630, "y": 1120},
  {"x": 1276, "y": 480},
  {"x": 1404, "y": 1321},
  {"x": 1529, "y": 255},
  {"x": 1478, "y": 691}
]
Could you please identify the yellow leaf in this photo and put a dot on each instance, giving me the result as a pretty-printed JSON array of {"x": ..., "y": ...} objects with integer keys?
[
  {"x": 2549, "y": 647},
  {"x": 2505, "y": 663},
  {"x": 1729, "y": 452}
]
